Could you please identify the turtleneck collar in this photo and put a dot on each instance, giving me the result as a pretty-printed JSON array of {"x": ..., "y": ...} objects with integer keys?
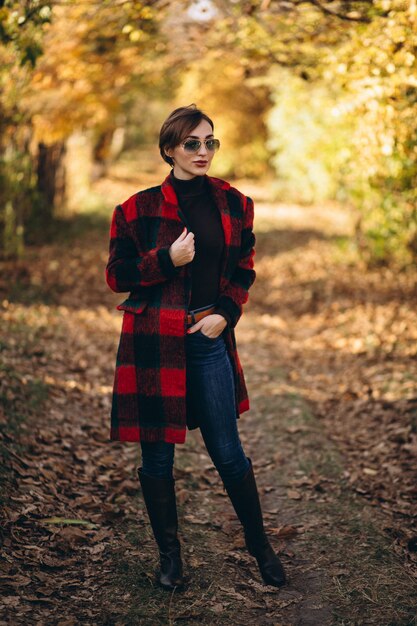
[{"x": 186, "y": 188}]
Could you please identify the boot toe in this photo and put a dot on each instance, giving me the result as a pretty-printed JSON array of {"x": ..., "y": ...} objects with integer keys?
[
  {"x": 273, "y": 575},
  {"x": 171, "y": 572},
  {"x": 270, "y": 566},
  {"x": 171, "y": 583}
]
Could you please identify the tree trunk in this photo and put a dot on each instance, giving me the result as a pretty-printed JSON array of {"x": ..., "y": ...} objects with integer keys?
[
  {"x": 107, "y": 147},
  {"x": 51, "y": 175}
]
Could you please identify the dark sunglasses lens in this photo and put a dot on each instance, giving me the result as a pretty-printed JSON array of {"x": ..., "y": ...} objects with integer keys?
[
  {"x": 213, "y": 144},
  {"x": 192, "y": 145}
]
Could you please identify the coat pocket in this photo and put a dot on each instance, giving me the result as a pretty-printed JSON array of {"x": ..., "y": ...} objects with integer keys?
[{"x": 132, "y": 306}]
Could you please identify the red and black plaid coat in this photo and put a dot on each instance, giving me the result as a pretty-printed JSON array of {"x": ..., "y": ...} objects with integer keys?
[{"x": 149, "y": 401}]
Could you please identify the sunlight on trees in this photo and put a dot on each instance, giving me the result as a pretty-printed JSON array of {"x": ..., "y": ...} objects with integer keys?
[
  {"x": 319, "y": 96},
  {"x": 308, "y": 142}
]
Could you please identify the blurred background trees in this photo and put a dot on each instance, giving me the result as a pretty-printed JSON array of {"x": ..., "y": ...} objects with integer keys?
[{"x": 316, "y": 98}]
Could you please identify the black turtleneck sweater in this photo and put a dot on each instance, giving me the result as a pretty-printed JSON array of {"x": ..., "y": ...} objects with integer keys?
[{"x": 203, "y": 219}]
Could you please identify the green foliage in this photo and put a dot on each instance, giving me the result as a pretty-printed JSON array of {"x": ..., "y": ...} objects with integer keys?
[
  {"x": 21, "y": 28},
  {"x": 323, "y": 94},
  {"x": 12, "y": 233},
  {"x": 63, "y": 66},
  {"x": 377, "y": 71},
  {"x": 307, "y": 141},
  {"x": 349, "y": 129},
  {"x": 19, "y": 201}
]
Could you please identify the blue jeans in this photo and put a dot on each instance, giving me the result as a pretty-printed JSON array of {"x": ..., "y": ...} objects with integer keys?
[{"x": 210, "y": 396}]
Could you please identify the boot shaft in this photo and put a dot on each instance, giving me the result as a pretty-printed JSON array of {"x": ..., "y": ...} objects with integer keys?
[
  {"x": 244, "y": 497},
  {"x": 161, "y": 505},
  {"x": 160, "y": 501}
]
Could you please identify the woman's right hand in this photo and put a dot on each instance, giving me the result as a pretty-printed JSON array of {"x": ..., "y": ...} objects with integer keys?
[{"x": 182, "y": 250}]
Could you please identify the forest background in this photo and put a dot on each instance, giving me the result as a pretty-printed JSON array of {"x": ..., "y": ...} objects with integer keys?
[
  {"x": 314, "y": 103},
  {"x": 317, "y": 96}
]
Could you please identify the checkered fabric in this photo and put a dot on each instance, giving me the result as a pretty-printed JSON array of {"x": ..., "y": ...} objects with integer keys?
[{"x": 149, "y": 393}]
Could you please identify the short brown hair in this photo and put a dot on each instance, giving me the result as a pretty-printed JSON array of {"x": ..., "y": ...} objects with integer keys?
[{"x": 178, "y": 125}]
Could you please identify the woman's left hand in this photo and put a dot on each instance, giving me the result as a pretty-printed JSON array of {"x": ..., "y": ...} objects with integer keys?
[{"x": 211, "y": 325}]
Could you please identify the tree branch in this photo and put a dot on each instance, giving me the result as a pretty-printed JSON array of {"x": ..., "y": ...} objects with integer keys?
[{"x": 341, "y": 16}]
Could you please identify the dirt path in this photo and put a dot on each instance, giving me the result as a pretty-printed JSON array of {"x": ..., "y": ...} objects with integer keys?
[{"x": 330, "y": 432}]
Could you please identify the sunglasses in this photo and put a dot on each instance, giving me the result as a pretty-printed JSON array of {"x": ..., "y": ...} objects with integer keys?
[{"x": 194, "y": 145}]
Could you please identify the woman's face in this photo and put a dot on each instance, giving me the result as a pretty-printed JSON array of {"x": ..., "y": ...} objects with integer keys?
[{"x": 190, "y": 164}]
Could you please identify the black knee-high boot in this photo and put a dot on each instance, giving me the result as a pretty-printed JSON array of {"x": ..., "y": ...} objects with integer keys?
[
  {"x": 160, "y": 501},
  {"x": 245, "y": 499}
]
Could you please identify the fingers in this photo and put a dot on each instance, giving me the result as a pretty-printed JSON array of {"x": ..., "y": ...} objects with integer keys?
[
  {"x": 201, "y": 323},
  {"x": 182, "y": 251},
  {"x": 186, "y": 236},
  {"x": 183, "y": 234},
  {"x": 189, "y": 240},
  {"x": 194, "y": 328}
]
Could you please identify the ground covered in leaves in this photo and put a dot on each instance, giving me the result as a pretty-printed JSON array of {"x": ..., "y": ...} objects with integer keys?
[{"x": 329, "y": 352}]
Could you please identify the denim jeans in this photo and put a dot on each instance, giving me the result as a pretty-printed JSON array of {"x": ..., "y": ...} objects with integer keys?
[{"x": 210, "y": 396}]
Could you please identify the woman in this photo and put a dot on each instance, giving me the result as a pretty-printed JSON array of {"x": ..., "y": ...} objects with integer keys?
[{"x": 184, "y": 250}]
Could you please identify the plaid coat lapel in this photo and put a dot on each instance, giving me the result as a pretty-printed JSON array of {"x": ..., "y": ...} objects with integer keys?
[{"x": 170, "y": 208}]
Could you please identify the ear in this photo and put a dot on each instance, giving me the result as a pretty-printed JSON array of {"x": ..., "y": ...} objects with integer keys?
[{"x": 168, "y": 151}]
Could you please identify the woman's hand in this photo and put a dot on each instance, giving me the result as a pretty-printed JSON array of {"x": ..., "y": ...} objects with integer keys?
[
  {"x": 211, "y": 325},
  {"x": 182, "y": 250}
]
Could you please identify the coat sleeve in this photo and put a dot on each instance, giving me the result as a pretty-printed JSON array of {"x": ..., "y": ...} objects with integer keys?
[
  {"x": 236, "y": 292},
  {"x": 127, "y": 268}
]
